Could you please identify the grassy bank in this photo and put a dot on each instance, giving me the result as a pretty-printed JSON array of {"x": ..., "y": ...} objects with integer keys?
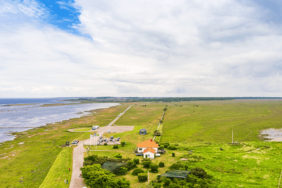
[
  {"x": 60, "y": 170},
  {"x": 26, "y": 161}
]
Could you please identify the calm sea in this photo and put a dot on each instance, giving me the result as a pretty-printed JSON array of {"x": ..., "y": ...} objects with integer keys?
[{"x": 24, "y": 117}]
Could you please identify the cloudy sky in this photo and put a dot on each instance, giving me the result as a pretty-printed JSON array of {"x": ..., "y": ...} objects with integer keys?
[{"x": 161, "y": 48}]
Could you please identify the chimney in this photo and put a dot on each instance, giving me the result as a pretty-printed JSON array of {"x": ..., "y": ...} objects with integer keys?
[{"x": 151, "y": 140}]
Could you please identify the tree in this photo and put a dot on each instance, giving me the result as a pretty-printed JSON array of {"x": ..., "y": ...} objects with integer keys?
[
  {"x": 186, "y": 167},
  {"x": 137, "y": 171},
  {"x": 120, "y": 183},
  {"x": 122, "y": 170},
  {"x": 95, "y": 176},
  {"x": 199, "y": 172},
  {"x": 122, "y": 144},
  {"x": 166, "y": 182},
  {"x": 115, "y": 147},
  {"x": 173, "y": 154},
  {"x": 146, "y": 164},
  {"x": 142, "y": 177},
  {"x": 157, "y": 133},
  {"x": 174, "y": 185},
  {"x": 161, "y": 147},
  {"x": 118, "y": 156},
  {"x": 161, "y": 164},
  {"x": 154, "y": 167},
  {"x": 136, "y": 161}
]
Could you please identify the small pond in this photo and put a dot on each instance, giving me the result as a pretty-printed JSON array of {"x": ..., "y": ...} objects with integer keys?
[{"x": 272, "y": 135}]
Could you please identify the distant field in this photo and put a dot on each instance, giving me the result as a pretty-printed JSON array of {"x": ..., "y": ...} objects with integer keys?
[{"x": 213, "y": 121}]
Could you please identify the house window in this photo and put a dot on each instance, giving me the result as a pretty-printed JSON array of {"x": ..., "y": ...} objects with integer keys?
[{"x": 140, "y": 149}]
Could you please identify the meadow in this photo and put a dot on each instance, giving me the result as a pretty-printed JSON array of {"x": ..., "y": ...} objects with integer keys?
[{"x": 199, "y": 126}]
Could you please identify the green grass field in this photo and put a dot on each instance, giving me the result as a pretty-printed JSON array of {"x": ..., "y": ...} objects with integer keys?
[
  {"x": 60, "y": 170},
  {"x": 254, "y": 163}
]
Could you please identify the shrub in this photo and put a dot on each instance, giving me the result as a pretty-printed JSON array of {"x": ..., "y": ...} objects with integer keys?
[
  {"x": 172, "y": 147},
  {"x": 105, "y": 144},
  {"x": 166, "y": 145},
  {"x": 154, "y": 167},
  {"x": 122, "y": 144},
  {"x": 161, "y": 164},
  {"x": 199, "y": 172},
  {"x": 142, "y": 177},
  {"x": 118, "y": 156},
  {"x": 157, "y": 133},
  {"x": 173, "y": 154},
  {"x": 186, "y": 167},
  {"x": 176, "y": 166},
  {"x": 156, "y": 185},
  {"x": 137, "y": 171},
  {"x": 136, "y": 161},
  {"x": 146, "y": 164},
  {"x": 115, "y": 147},
  {"x": 166, "y": 182},
  {"x": 174, "y": 185},
  {"x": 161, "y": 147},
  {"x": 122, "y": 170}
]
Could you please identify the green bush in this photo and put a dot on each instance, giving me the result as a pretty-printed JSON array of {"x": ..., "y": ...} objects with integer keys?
[
  {"x": 174, "y": 185},
  {"x": 173, "y": 154},
  {"x": 156, "y": 185},
  {"x": 157, "y": 133},
  {"x": 115, "y": 147},
  {"x": 166, "y": 145},
  {"x": 186, "y": 167},
  {"x": 199, "y": 172},
  {"x": 166, "y": 182},
  {"x": 146, "y": 164},
  {"x": 161, "y": 164},
  {"x": 136, "y": 161},
  {"x": 118, "y": 156},
  {"x": 122, "y": 144},
  {"x": 105, "y": 144},
  {"x": 122, "y": 170},
  {"x": 176, "y": 166},
  {"x": 137, "y": 171},
  {"x": 142, "y": 177},
  {"x": 161, "y": 147},
  {"x": 172, "y": 147},
  {"x": 154, "y": 167}
]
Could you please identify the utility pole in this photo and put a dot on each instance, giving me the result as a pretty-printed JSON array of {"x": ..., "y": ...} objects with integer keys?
[{"x": 232, "y": 136}]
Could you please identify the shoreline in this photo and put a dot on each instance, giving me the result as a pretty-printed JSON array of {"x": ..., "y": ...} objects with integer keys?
[{"x": 11, "y": 135}]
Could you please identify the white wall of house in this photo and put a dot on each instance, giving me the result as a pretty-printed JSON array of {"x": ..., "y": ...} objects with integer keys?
[{"x": 149, "y": 155}]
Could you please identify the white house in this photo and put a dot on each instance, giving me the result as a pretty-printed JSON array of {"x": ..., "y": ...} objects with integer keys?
[
  {"x": 149, "y": 153},
  {"x": 149, "y": 148}
]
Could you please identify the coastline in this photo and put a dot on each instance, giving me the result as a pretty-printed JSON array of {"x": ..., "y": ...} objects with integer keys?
[
  {"x": 36, "y": 149},
  {"x": 16, "y": 120}
]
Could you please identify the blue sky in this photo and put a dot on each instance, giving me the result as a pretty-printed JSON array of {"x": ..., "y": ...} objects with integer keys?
[{"x": 140, "y": 48}]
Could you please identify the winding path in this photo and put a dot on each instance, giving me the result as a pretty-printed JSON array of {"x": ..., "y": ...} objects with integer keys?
[{"x": 78, "y": 152}]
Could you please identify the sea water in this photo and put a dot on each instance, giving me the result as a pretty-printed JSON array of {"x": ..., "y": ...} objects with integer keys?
[{"x": 24, "y": 117}]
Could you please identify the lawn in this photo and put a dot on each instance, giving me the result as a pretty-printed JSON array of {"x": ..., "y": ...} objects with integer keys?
[{"x": 60, "y": 170}]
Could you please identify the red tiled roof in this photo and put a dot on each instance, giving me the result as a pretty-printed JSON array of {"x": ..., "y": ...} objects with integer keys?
[
  {"x": 150, "y": 150},
  {"x": 147, "y": 144}
]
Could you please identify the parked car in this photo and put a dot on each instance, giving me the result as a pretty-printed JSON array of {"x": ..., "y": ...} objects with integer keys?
[
  {"x": 112, "y": 137},
  {"x": 158, "y": 155},
  {"x": 75, "y": 142},
  {"x": 139, "y": 154}
]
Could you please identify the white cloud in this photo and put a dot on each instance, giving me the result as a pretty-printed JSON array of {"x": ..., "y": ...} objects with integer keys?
[{"x": 141, "y": 48}]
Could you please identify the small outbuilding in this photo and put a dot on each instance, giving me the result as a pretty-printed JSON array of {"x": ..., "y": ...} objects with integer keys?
[{"x": 142, "y": 131}]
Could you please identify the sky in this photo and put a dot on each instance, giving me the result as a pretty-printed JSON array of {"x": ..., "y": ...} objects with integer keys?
[{"x": 140, "y": 48}]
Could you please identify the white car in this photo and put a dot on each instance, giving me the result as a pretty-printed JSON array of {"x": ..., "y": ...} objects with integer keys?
[{"x": 158, "y": 155}]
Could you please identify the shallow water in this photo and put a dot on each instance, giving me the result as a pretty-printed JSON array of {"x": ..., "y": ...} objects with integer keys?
[
  {"x": 22, "y": 118},
  {"x": 273, "y": 135}
]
